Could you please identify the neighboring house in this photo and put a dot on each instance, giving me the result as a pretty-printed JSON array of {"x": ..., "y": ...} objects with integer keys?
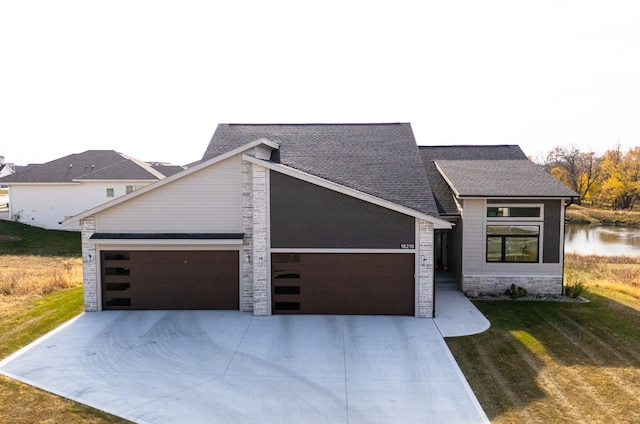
[
  {"x": 307, "y": 218},
  {"x": 43, "y": 195},
  {"x": 5, "y": 169},
  {"x": 508, "y": 214}
]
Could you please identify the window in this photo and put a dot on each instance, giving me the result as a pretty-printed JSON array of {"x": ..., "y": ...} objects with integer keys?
[
  {"x": 513, "y": 243},
  {"x": 132, "y": 188},
  {"x": 513, "y": 212},
  {"x": 109, "y": 192}
]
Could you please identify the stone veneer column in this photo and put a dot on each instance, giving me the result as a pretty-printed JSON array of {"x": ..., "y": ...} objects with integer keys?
[
  {"x": 89, "y": 265},
  {"x": 425, "y": 269},
  {"x": 260, "y": 250},
  {"x": 246, "y": 296}
]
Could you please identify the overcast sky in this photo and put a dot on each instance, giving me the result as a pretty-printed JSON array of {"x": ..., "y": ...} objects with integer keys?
[{"x": 153, "y": 79}]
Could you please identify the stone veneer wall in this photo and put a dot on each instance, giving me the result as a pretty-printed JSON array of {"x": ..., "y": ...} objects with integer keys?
[
  {"x": 474, "y": 284},
  {"x": 425, "y": 272},
  {"x": 89, "y": 265},
  {"x": 259, "y": 241},
  {"x": 246, "y": 299}
]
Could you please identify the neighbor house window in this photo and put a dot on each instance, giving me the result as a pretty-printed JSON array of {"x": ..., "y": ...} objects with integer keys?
[
  {"x": 132, "y": 188},
  {"x": 109, "y": 192},
  {"x": 513, "y": 243}
]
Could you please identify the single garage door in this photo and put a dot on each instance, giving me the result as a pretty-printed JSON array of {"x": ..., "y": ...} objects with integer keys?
[
  {"x": 170, "y": 280},
  {"x": 349, "y": 284}
]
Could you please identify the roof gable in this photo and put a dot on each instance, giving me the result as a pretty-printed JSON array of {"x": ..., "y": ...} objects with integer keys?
[
  {"x": 377, "y": 159},
  {"x": 89, "y": 165}
]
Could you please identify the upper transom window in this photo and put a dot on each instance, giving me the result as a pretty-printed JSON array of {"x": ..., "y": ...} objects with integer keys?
[{"x": 513, "y": 212}]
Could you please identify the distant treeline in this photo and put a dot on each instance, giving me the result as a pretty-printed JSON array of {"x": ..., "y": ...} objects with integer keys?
[{"x": 611, "y": 180}]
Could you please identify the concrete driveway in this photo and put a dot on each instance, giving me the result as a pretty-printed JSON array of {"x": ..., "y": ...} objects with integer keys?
[{"x": 232, "y": 367}]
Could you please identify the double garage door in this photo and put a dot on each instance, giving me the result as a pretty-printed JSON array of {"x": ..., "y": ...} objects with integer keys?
[
  {"x": 307, "y": 283},
  {"x": 343, "y": 283},
  {"x": 170, "y": 280}
]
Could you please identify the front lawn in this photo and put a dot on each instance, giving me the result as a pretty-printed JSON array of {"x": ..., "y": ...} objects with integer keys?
[{"x": 561, "y": 362}]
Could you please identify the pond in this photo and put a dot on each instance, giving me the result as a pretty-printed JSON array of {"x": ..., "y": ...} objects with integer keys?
[{"x": 602, "y": 240}]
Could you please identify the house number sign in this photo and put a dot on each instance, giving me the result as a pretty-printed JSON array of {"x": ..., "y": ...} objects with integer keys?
[{"x": 407, "y": 246}]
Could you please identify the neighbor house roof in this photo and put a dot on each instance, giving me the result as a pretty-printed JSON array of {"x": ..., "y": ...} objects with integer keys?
[
  {"x": 377, "y": 159},
  {"x": 500, "y": 178},
  {"x": 441, "y": 190},
  {"x": 89, "y": 165},
  {"x": 168, "y": 170}
]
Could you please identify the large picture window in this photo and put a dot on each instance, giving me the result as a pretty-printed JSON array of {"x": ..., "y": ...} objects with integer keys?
[{"x": 513, "y": 243}]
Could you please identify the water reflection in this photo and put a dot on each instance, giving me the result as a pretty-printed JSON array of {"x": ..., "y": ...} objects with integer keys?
[{"x": 602, "y": 240}]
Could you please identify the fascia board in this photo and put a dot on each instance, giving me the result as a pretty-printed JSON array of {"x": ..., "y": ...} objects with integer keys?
[
  {"x": 437, "y": 223},
  {"x": 447, "y": 180},
  {"x": 80, "y": 180},
  {"x": 50, "y": 183}
]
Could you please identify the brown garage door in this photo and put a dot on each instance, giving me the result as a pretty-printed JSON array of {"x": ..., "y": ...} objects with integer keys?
[
  {"x": 170, "y": 280},
  {"x": 360, "y": 284}
]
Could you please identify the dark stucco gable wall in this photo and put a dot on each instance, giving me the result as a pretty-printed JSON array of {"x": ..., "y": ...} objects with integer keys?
[{"x": 304, "y": 215}]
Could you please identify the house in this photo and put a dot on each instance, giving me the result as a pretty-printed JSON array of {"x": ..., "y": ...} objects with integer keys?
[
  {"x": 508, "y": 218},
  {"x": 5, "y": 169},
  {"x": 298, "y": 218},
  {"x": 43, "y": 195}
]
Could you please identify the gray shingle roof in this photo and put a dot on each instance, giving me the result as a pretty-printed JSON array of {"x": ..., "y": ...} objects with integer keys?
[
  {"x": 441, "y": 190},
  {"x": 89, "y": 165},
  {"x": 501, "y": 178},
  {"x": 168, "y": 170},
  {"x": 378, "y": 159}
]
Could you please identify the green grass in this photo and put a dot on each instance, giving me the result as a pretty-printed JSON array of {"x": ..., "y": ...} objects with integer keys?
[
  {"x": 21, "y": 239},
  {"x": 23, "y": 324},
  {"x": 556, "y": 362}
]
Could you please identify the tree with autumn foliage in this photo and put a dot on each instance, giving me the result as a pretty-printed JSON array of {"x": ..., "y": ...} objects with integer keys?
[
  {"x": 621, "y": 178},
  {"x": 580, "y": 171},
  {"x": 611, "y": 180}
]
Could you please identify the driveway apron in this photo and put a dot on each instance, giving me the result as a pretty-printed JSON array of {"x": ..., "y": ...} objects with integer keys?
[{"x": 232, "y": 367}]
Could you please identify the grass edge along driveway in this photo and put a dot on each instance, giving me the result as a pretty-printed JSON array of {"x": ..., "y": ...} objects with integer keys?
[{"x": 22, "y": 324}]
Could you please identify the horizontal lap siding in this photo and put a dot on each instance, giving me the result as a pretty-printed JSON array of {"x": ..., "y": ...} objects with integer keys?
[
  {"x": 473, "y": 236},
  {"x": 209, "y": 200}
]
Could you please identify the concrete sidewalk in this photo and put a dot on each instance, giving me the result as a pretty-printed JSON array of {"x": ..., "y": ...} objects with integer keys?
[
  {"x": 232, "y": 367},
  {"x": 455, "y": 314}
]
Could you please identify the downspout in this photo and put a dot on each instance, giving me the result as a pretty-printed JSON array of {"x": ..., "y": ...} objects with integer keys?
[{"x": 572, "y": 201}]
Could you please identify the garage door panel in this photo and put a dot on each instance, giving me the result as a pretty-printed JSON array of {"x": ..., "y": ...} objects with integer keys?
[
  {"x": 172, "y": 280},
  {"x": 344, "y": 284}
]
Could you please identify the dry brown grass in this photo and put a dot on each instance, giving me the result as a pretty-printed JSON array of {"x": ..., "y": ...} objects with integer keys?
[
  {"x": 26, "y": 277},
  {"x": 577, "y": 214},
  {"x": 615, "y": 274}
]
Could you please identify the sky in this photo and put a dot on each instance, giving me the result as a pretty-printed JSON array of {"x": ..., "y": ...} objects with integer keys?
[{"x": 152, "y": 79}]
